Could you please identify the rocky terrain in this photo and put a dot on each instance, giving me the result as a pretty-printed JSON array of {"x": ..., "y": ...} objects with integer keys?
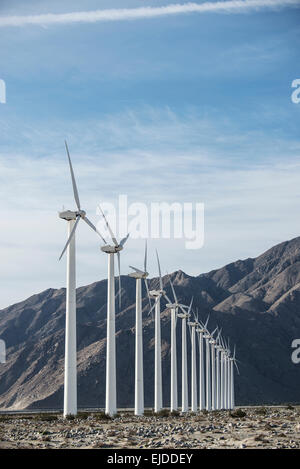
[
  {"x": 274, "y": 428},
  {"x": 255, "y": 301}
]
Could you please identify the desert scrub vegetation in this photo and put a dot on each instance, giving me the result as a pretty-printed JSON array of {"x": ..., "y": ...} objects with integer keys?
[{"x": 238, "y": 414}]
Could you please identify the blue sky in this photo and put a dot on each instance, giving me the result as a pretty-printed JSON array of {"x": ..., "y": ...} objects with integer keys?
[{"x": 187, "y": 108}]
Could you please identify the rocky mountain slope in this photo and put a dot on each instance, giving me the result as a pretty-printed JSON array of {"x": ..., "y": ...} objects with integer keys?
[{"x": 255, "y": 301}]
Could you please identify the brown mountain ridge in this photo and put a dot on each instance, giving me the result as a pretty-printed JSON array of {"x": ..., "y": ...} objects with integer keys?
[{"x": 255, "y": 301}]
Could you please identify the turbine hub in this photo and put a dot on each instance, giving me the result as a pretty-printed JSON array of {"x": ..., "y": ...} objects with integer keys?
[{"x": 81, "y": 213}]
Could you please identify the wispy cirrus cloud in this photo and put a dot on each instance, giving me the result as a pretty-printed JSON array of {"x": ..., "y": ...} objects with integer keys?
[{"x": 123, "y": 14}]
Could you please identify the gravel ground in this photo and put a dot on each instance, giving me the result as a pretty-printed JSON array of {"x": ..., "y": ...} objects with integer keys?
[{"x": 262, "y": 427}]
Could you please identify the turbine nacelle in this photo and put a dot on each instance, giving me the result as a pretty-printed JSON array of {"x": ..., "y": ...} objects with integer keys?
[
  {"x": 174, "y": 305},
  {"x": 156, "y": 293},
  {"x": 109, "y": 249},
  {"x": 68, "y": 215},
  {"x": 192, "y": 324},
  {"x": 183, "y": 315},
  {"x": 138, "y": 275}
]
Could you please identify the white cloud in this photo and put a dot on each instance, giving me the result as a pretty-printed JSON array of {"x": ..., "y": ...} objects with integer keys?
[
  {"x": 250, "y": 203},
  {"x": 231, "y": 6}
]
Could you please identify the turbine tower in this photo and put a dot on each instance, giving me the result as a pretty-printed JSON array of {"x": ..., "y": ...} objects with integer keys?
[
  {"x": 70, "y": 377},
  {"x": 208, "y": 371},
  {"x": 228, "y": 377},
  {"x": 174, "y": 383},
  {"x": 111, "y": 250},
  {"x": 223, "y": 376},
  {"x": 218, "y": 372},
  {"x": 232, "y": 393},
  {"x": 192, "y": 326},
  {"x": 213, "y": 371},
  {"x": 139, "y": 371},
  {"x": 201, "y": 331},
  {"x": 184, "y": 387},
  {"x": 157, "y": 294}
]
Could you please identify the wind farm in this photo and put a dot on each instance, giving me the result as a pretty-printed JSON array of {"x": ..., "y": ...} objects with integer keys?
[{"x": 149, "y": 242}]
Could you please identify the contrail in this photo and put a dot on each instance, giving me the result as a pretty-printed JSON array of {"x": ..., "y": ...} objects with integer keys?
[{"x": 231, "y": 6}]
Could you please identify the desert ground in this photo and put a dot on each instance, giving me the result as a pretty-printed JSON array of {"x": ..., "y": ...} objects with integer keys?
[{"x": 251, "y": 427}]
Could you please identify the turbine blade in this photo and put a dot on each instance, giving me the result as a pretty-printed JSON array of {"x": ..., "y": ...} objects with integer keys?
[
  {"x": 190, "y": 331},
  {"x": 94, "y": 228},
  {"x": 205, "y": 325},
  {"x": 145, "y": 258},
  {"x": 151, "y": 309},
  {"x": 109, "y": 228},
  {"x": 70, "y": 237},
  {"x": 173, "y": 290},
  {"x": 148, "y": 294},
  {"x": 236, "y": 366},
  {"x": 190, "y": 307},
  {"x": 119, "y": 271},
  {"x": 167, "y": 298},
  {"x": 158, "y": 263},
  {"x": 123, "y": 241},
  {"x": 136, "y": 269},
  {"x": 76, "y": 196},
  {"x": 213, "y": 332}
]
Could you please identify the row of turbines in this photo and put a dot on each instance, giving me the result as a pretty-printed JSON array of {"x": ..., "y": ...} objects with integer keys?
[{"x": 216, "y": 365}]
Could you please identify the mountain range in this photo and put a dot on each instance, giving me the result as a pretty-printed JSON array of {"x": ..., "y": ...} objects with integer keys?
[{"x": 256, "y": 301}]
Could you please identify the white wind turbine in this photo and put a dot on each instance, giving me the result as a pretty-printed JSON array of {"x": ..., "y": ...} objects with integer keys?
[
  {"x": 213, "y": 371},
  {"x": 228, "y": 379},
  {"x": 218, "y": 372},
  {"x": 232, "y": 393},
  {"x": 208, "y": 337},
  {"x": 157, "y": 294},
  {"x": 111, "y": 250},
  {"x": 193, "y": 325},
  {"x": 70, "y": 378},
  {"x": 201, "y": 330},
  {"x": 208, "y": 371},
  {"x": 139, "y": 372},
  {"x": 174, "y": 382},
  {"x": 223, "y": 376},
  {"x": 184, "y": 388}
]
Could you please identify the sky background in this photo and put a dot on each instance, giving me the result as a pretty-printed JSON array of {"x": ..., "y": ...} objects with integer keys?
[{"x": 191, "y": 107}]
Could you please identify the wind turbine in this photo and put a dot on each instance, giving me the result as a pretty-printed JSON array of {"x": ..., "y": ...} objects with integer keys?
[
  {"x": 218, "y": 372},
  {"x": 213, "y": 371},
  {"x": 222, "y": 374},
  {"x": 193, "y": 326},
  {"x": 174, "y": 312},
  {"x": 184, "y": 391},
  {"x": 225, "y": 376},
  {"x": 232, "y": 393},
  {"x": 157, "y": 294},
  {"x": 70, "y": 378},
  {"x": 111, "y": 250},
  {"x": 201, "y": 329},
  {"x": 208, "y": 338},
  {"x": 228, "y": 377},
  {"x": 139, "y": 372}
]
